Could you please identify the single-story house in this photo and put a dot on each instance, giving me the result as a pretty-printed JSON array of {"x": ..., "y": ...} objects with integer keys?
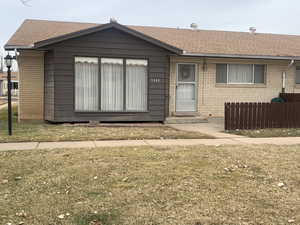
[{"x": 75, "y": 72}]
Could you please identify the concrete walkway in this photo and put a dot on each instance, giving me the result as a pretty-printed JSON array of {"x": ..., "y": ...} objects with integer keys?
[
  {"x": 214, "y": 127},
  {"x": 173, "y": 142}
]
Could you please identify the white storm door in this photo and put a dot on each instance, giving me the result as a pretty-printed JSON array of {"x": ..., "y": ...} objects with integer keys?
[{"x": 186, "y": 88}]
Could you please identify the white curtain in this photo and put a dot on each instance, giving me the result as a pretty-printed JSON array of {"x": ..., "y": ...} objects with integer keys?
[
  {"x": 240, "y": 73},
  {"x": 86, "y": 84},
  {"x": 111, "y": 84},
  {"x": 185, "y": 97},
  {"x": 136, "y": 85}
]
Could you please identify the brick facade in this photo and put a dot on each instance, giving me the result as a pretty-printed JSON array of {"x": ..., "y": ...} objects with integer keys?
[
  {"x": 212, "y": 96},
  {"x": 31, "y": 85}
]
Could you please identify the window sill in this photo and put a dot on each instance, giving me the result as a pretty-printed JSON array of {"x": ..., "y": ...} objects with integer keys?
[
  {"x": 111, "y": 111},
  {"x": 242, "y": 86}
]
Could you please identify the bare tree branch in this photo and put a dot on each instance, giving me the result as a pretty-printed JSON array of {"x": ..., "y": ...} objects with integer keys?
[{"x": 25, "y": 2}]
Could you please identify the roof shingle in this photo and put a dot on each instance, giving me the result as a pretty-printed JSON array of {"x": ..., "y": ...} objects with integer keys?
[{"x": 191, "y": 41}]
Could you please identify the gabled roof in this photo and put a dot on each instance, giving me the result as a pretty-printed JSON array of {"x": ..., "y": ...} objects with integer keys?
[
  {"x": 191, "y": 42},
  {"x": 104, "y": 27}
]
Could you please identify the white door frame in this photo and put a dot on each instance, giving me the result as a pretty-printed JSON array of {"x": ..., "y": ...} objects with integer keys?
[{"x": 195, "y": 84}]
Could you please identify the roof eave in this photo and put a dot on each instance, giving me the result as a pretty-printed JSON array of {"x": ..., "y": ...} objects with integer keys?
[
  {"x": 17, "y": 47},
  {"x": 242, "y": 56}
]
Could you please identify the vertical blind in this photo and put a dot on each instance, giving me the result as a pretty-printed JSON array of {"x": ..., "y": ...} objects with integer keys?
[
  {"x": 240, "y": 73},
  {"x": 86, "y": 84},
  {"x": 116, "y": 87},
  {"x": 136, "y": 85},
  {"x": 259, "y": 74},
  {"x": 112, "y": 84}
]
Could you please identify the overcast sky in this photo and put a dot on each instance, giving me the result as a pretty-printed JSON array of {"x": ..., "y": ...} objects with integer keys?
[{"x": 274, "y": 16}]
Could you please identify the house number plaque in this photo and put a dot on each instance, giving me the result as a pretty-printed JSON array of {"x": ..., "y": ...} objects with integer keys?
[{"x": 155, "y": 80}]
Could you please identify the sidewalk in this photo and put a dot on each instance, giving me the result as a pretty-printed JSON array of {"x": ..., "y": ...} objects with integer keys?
[
  {"x": 173, "y": 142},
  {"x": 214, "y": 127}
]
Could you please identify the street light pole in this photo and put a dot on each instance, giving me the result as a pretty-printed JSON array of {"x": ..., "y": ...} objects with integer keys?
[
  {"x": 8, "y": 61},
  {"x": 9, "y": 101}
]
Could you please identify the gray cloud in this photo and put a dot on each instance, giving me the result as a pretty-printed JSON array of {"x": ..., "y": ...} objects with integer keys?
[{"x": 275, "y": 16}]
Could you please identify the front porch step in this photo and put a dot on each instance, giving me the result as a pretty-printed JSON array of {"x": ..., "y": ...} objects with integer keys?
[{"x": 183, "y": 120}]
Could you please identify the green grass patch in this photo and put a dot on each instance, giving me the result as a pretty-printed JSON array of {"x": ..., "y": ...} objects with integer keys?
[{"x": 96, "y": 218}]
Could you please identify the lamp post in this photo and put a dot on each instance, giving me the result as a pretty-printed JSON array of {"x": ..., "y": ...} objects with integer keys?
[{"x": 8, "y": 61}]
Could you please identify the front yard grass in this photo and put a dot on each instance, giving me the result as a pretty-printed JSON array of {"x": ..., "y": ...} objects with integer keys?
[
  {"x": 264, "y": 133},
  {"x": 39, "y": 131},
  {"x": 146, "y": 185}
]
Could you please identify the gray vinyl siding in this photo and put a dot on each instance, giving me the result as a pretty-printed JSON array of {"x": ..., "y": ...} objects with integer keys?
[
  {"x": 49, "y": 86},
  {"x": 107, "y": 43}
]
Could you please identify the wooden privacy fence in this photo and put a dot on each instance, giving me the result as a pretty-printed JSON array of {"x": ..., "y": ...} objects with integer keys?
[
  {"x": 290, "y": 97},
  {"x": 262, "y": 115}
]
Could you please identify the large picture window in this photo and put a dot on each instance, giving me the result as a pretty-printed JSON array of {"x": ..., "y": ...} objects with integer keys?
[
  {"x": 240, "y": 73},
  {"x": 121, "y": 84}
]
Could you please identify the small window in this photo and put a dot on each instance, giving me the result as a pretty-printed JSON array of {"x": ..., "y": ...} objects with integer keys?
[
  {"x": 186, "y": 72},
  {"x": 298, "y": 75},
  {"x": 259, "y": 74},
  {"x": 240, "y": 73},
  {"x": 221, "y": 73}
]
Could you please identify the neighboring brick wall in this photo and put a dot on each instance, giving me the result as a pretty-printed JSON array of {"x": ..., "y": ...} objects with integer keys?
[
  {"x": 212, "y": 96},
  {"x": 31, "y": 85}
]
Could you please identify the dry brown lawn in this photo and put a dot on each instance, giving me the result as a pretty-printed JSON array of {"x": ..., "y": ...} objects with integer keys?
[
  {"x": 274, "y": 132},
  {"x": 146, "y": 185},
  {"x": 38, "y": 131}
]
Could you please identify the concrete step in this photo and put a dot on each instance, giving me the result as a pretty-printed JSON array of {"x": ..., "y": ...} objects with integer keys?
[{"x": 183, "y": 120}]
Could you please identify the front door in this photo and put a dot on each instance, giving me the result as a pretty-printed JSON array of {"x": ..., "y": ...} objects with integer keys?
[{"x": 186, "y": 88}]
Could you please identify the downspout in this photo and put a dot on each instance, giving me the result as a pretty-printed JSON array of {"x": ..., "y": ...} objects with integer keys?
[
  {"x": 204, "y": 68},
  {"x": 284, "y": 75}
]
